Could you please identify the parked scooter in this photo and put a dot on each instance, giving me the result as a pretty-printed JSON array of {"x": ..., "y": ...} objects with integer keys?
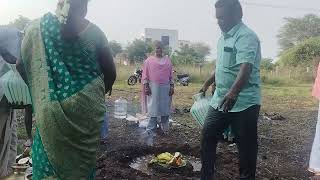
[
  {"x": 183, "y": 79},
  {"x": 135, "y": 78}
]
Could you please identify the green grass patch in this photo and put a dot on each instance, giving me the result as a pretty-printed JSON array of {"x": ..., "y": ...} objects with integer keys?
[{"x": 303, "y": 90}]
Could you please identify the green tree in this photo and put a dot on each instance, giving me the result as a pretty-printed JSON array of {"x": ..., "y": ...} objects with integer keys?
[
  {"x": 115, "y": 47},
  {"x": 167, "y": 50},
  {"x": 138, "y": 50},
  {"x": 185, "y": 55},
  {"x": 202, "y": 51},
  {"x": 20, "y": 23},
  {"x": 266, "y": 64},
  {"x": 301, "y": 54},
  {"x": 297, "y": 30},
  {"x": 189, "y": 54}
]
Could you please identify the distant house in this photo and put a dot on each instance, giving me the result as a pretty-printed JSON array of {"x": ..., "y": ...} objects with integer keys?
[
  {"x": 166, "y": 36},
  {"x": 184, "y": 43}
]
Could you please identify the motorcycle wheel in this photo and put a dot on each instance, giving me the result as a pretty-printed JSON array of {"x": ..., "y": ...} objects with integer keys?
[
  {"x": 185, "y": 84},
  {"x": 132, "y": 80}
]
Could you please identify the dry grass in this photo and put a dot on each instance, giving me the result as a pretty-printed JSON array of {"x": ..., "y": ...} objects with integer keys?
[
  {"x": 287, "y": 76},
  {"x": 276, "y": 77},
  {"x": 275, "y": 98},
  {"x": 196, "y": 73}
]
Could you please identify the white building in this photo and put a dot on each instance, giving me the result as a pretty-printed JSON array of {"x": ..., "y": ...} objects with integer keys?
[
  {"x": 183, "y": 43},
  {"x": 166, "y": 36}
]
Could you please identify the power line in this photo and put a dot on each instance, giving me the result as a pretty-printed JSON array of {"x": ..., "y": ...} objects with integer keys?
[{"x": 279, "y": 6}]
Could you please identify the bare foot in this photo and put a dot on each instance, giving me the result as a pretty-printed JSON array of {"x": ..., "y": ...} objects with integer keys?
[{"x": 316, "y": 177}]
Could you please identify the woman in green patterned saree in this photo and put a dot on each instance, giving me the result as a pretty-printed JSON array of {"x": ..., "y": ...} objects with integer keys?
[{"x": 69, "y": 68}]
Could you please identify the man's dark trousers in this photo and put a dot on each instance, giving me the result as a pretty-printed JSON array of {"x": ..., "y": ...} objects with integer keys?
[{"x": 244, "y": 126}]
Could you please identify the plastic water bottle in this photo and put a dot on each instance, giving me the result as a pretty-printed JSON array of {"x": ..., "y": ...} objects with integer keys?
[{"x": 120, "y": 108}]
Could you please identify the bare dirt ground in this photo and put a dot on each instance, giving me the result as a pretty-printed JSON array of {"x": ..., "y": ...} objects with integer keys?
[{"x": 284, "y": 145}]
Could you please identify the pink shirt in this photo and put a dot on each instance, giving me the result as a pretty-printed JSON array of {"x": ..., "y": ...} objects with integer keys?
[
  {"x": 316, "y": 86},
  {"x": 157, "y": 70}
]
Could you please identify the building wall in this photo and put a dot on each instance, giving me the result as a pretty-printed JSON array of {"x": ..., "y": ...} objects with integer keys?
[
  {"x": 183, "y": 43},
  {"x": 157, "y": 34}
]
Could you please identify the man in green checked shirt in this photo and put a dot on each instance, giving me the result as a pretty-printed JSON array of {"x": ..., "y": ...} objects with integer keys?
[{"x": 237, "y": 97}]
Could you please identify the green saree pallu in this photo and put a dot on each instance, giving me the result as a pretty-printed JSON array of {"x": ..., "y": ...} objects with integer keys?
[{"x": 67, "y": 90}]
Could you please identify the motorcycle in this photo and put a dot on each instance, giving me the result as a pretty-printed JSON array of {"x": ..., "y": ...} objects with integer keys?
[
  {"x": 135, "y": 78},
  {"x": 183, "y": 79}
]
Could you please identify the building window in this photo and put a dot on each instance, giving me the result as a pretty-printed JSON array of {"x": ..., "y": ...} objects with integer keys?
[{"x": 165, "y": 40}]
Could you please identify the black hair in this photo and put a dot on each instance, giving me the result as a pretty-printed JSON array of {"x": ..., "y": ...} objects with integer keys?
[
  {"x": 158, "y": 44},
  {"x": 233, "y": 6}
]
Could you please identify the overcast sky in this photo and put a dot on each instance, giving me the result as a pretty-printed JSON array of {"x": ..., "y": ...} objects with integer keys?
[{"x": 124, "y": 20}]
